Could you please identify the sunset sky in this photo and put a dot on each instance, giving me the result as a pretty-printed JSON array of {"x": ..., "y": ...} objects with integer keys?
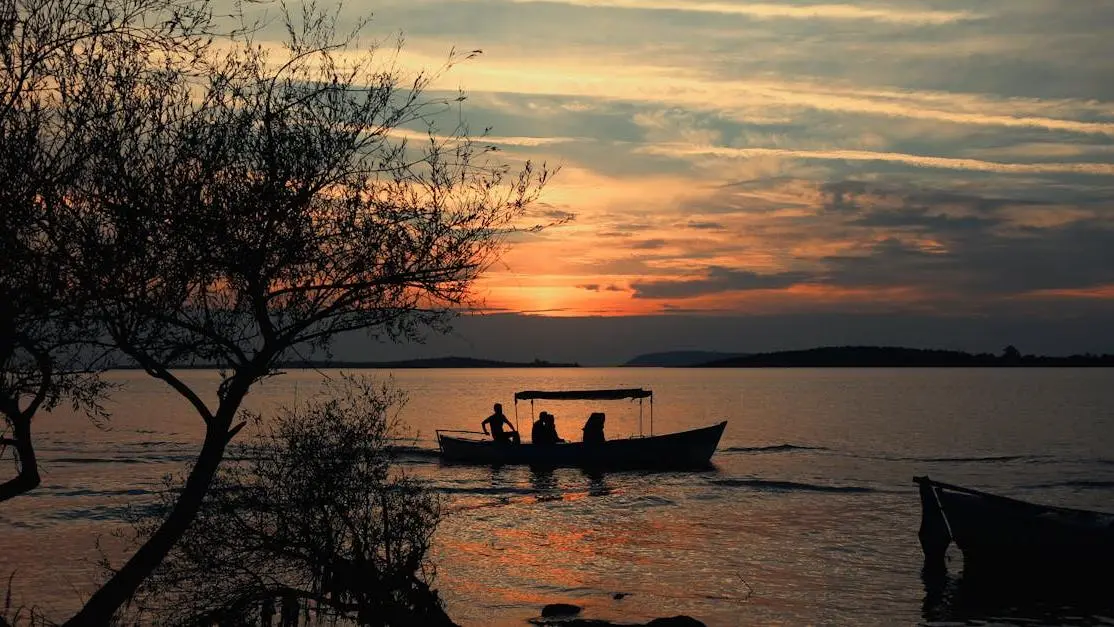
[{"x": 921, "y": 159}]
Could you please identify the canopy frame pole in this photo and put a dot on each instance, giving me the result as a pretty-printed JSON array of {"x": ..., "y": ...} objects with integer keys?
[
  {"x": 651, "y": 415},
  {"x": 639, "y": 417}
]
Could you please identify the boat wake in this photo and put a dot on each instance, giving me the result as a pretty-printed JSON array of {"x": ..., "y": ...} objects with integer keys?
[
  {"x": 920, "y": 459},
  {"x": 416, "y": 454},
  {"x": 774, "y": 448}
]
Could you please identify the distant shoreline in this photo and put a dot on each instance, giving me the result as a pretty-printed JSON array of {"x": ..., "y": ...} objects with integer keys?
[
  {"x": 898, "y": 357},
  {"x": 437, "y": 362},
  {"x": 823, "y": 357}
]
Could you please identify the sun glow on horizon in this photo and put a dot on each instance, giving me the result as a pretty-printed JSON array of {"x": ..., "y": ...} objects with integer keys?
[{"x": 757, "y": 157}]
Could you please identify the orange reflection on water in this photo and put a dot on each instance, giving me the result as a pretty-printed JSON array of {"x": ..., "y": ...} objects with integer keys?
[{"x": 553, "y": 555}]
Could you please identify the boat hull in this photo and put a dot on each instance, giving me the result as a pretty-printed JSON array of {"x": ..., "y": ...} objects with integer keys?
[
  {"x": 1001, "y": 534},
  {"x": 684, "y": 449}
]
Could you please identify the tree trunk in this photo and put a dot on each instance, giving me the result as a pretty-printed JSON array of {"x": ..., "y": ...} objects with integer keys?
[
  {"x": 28, "y": 477},
  {"x": 103, "y": 605}
]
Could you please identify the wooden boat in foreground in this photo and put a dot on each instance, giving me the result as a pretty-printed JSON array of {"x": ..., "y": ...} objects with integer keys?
[
  {"x": 1001, "y": 534},
  {"x": 692, "y": 448}
]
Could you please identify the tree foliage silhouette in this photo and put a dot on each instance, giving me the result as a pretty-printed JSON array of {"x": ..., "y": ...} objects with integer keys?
[
  {"x": 235, "y": 205},
  {"x": 314, "y": 520},
  {"x": 58, "y": 59}
]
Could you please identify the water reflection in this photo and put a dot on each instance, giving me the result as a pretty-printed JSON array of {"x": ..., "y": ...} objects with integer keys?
[
  {"x": 547, "y": 487},
  {"x": 1016, "y": 598},
  {"x": 597, "y": 482},
  {"x": 497, "y": 475},
  {"x": 544, "y": 483}
]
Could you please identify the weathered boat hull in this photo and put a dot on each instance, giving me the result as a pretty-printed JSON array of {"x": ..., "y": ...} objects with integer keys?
[
  {"x": 1001, "y": 534},
  {"x": 684, "y": 449}
]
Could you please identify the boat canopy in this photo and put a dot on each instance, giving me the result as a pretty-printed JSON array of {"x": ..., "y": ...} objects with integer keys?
[{"x": 583, "y": 395}]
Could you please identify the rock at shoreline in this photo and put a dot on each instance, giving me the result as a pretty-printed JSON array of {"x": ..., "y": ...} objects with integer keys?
[
  {"x": 560, "y": 609},
  {"x": 676, "y": 621},
  {"x": 672, "y": 621}
]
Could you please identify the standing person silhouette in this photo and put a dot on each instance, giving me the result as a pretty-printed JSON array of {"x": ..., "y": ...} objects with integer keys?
[{"x": 496, "y": 421}]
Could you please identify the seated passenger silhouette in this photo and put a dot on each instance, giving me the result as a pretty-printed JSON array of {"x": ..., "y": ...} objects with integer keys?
[
  {"x": 593, "y": 428},
  {"x": 551, "y": 429},
  {"x": 496, "y": 421},
  {"x": 539, "y": 432},
  {"x": 544, "y": 431}
]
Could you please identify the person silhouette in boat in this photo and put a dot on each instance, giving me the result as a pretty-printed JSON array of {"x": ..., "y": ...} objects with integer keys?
[
  {"x": 551, "y": 429},
  {"x": 496, "y": 420},
  {"x": 539, "y": 433},
  {"x": 544, "y": 431},
  {"x": 593, "y": 428}
]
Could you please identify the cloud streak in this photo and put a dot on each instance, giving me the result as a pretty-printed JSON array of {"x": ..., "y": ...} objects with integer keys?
[
  {"x": 521, "y": 142},
  {"x": 611, "y": 78},
  {"x": 948, "y": 163},
  {"x": 762, "y": 10}
]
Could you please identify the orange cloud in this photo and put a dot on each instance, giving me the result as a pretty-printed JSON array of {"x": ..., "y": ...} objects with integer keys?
[
  {"x": 1101, "y": 292},
  {"x": 558, "y": 294},
  {"x": 804, "y": 298}
]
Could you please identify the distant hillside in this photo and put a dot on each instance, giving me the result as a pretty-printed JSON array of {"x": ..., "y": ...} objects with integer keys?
[
  {"x": 680, "y": 358},
  {"x": 890, "y": 356},
  {"x": 435, "y": 362}
]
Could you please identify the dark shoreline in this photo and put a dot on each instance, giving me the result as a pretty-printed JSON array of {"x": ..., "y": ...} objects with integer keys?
[
  {"x": 438, "y": 362},
  {"x": 824, "y": 357},
  {"x": 898, "y": 357}
]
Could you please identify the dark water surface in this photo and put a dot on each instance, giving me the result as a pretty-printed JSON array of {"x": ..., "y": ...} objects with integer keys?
[{"x": 809, "y": 516}]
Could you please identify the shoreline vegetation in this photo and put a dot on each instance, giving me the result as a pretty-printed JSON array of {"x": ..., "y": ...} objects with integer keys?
[
  {"x": 898, "y": 357},
  {"x": 821, "y": 357},
  {"x": 435, "y": 362}
]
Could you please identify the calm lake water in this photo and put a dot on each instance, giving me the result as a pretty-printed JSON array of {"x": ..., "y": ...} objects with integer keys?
[{"x": 809, "y": 517}]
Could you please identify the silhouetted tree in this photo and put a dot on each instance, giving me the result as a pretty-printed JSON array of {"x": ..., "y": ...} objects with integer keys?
[
  {"x": 263, "y": 212},
  {"x": 314, "y": 516},
  {"x": 55, "y": 59},
  {"x": 1011, "y": 354}
]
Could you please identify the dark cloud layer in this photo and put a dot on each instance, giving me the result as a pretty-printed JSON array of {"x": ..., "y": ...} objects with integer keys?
[
  {"x": 979, "y": 253},
  {"x": 705, "y": 226},
  {"x": 716, "y": 280}
]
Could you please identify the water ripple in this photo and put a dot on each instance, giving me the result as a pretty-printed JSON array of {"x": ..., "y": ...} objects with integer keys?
[
  {"x": 788, "y": 486},
  {"x": 88, "y": 492},
  {"x": 1078, "y": 483},
  {"x": 961, "y": 459},
  {"x": 145, "y": 459}
]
